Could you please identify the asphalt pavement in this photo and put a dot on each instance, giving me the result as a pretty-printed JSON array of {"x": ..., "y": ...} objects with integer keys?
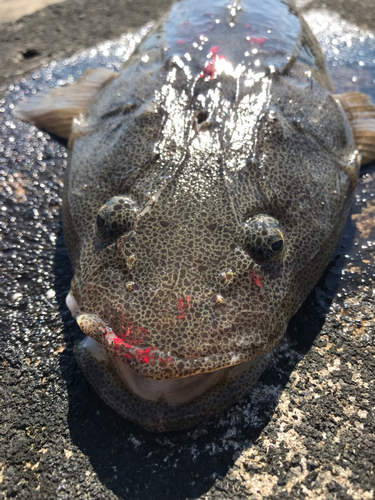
[{"x": 306, "y": 430}]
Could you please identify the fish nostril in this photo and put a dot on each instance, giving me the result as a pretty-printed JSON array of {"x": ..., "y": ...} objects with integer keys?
[
  {"x": 200, "y": 122},
  {"x": 201, "y": 116}
]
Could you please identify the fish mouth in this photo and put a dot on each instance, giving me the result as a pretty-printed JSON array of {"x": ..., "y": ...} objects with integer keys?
[
  {"x": 177, "y": 382},
  {"x": 149, "y": 361},
  {"x": 175, "y": 391},
  {"x": 164, "y": 405}
]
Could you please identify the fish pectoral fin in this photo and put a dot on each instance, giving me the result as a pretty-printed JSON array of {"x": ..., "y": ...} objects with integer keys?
[
  {"x": 360, "y": 112},
  {"x": 54, "y": 111}
]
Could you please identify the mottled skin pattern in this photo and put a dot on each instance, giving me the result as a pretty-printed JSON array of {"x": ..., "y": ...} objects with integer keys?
[{"x": 227, "y": 136}]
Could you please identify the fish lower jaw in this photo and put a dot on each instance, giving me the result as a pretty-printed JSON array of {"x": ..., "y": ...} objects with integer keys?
[
  {"x": 164, "y": 405},
  {"x": 175, "y": 391}
]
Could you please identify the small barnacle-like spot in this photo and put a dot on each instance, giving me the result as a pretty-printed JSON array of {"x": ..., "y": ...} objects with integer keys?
[
  {"x": 227, "y": 276},
  {"x": 131, "y": 260},
  {"x": 263, "y": 239},
  {"x": 219, "y": 300}
]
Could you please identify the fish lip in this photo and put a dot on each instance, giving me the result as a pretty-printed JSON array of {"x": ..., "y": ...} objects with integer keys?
[
  {"x": 151, "y": 362},
  {"x": 172, "y": 391}
]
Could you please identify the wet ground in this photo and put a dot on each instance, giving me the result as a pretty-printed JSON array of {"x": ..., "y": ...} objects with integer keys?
[
  {"x": 305, "y": 431},
  {"x": 11, "y": 10}
]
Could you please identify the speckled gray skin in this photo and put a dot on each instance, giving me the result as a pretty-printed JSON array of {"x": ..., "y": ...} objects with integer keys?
[{"x": 209, "y": 126}]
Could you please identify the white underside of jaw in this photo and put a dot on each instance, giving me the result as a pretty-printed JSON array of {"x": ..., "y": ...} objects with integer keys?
[
  {"x": 173, "y": 391},
  {"x": 72, "y": 305}
]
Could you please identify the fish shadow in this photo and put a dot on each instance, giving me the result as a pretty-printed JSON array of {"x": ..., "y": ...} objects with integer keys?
[{"x": 138, "y": 464}]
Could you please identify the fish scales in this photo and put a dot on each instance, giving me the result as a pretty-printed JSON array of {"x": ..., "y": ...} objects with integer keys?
[{"x": 207, "y": 187}]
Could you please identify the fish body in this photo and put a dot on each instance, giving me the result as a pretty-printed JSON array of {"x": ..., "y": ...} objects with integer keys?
[{"x": 208, "y": 185}]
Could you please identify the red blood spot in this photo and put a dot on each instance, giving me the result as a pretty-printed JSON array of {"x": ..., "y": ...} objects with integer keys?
[
  {"x": 209, "y": 70},
  {"x": 145, "y": 355},
  {"x": 254, "y": 39},
  {"x": 116, "y": 340},
  {"x": 214, "y": 50},
  {"x": 123, "y": 342},
  {"x": 248, "y": 26},
  {"x": 256, "y": 278},
  {"x": 89, "y": 286},
  {"x": 180, "y": 41},
  {"x": 183, "y": 303}
]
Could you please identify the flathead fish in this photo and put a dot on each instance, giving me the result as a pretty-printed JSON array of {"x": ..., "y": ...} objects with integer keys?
[{"x": 208, "y": 184}]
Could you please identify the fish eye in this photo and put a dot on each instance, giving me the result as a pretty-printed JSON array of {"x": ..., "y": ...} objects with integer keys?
[
  {"x": 263, "y": 239},
  {"x": 116, "y": 217}
]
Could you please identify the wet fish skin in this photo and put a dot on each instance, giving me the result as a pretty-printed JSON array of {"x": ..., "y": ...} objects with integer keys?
[{"x": 240, "y": 165}]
